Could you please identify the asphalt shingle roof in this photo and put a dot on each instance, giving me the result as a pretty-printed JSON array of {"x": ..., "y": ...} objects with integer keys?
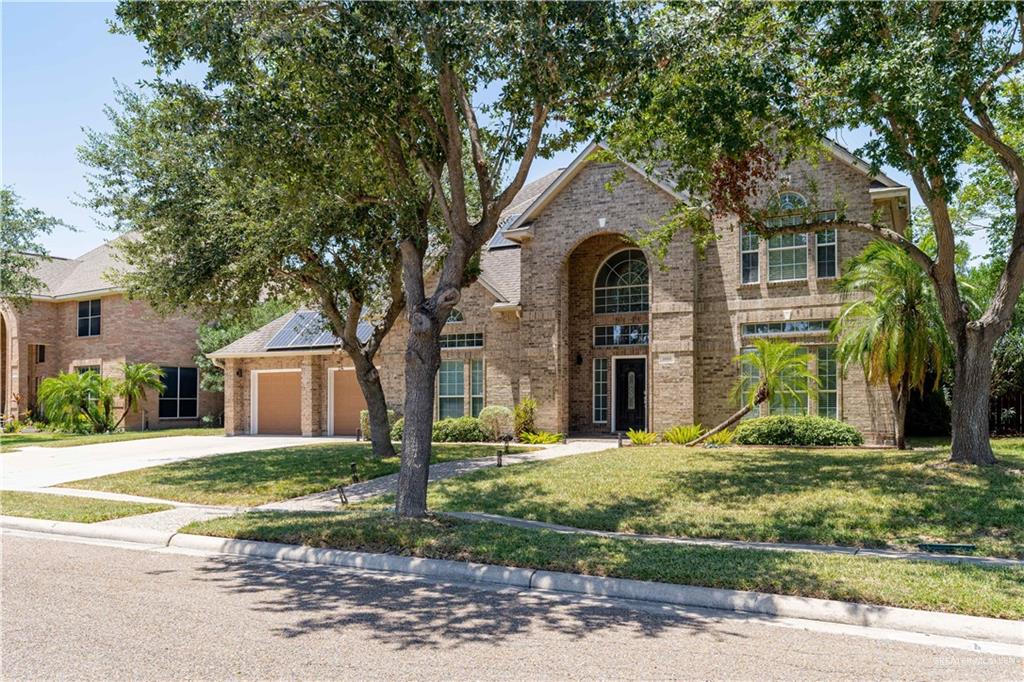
[{"x": 71, "y": 276}]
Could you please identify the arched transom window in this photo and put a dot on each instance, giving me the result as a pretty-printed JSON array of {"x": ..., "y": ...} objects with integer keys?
[{"x": 622, "y": 284}]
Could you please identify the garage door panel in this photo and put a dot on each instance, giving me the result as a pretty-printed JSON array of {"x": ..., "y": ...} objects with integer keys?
[
  {"x": 348, "y": 402},
  {"x": 279, "y": 407}
]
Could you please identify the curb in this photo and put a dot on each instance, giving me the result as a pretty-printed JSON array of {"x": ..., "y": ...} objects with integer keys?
[
  {"x": 95, "y": 531},
  {"x": 758, "y": 603}
]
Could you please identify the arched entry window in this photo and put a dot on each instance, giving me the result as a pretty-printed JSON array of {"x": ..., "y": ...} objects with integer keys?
[{"x": 622, "y": 283}]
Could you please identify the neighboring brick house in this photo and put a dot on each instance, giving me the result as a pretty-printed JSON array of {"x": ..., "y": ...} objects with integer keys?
[
  {"x": 603, "y": 335},
  {"x": 78, "y": 321}
]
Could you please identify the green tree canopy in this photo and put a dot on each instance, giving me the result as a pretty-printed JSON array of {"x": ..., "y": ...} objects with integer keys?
[
  {"x": 745, "y": 87},
  {"x": 20, "y": 250}
]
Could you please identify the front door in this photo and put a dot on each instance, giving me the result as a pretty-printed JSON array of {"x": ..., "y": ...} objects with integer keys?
[{"x": 630, "y": 394}]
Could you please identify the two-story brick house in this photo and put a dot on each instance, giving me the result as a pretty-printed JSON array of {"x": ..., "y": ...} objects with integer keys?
[
  {"x": 601, "y": 333},
  {"x": 79, "y": 321}
]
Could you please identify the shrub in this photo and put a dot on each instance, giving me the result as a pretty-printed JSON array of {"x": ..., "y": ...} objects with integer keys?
[
  {"x": 723, "y": 437},
  {"x": 13, "y": 426},
  {"x": 364, "y": 421},
  {"x": 642, "y": 437},
  {"x": 458, "y": 430},
  {"x": 542, "y": 438},
  {"x": 497, "y": 422},
  {"x": 801, "y": 430},
  {"x": 681, "y": 435},
  {"x": 398, "y": 428},
  {"x": 525, "y": 416}
]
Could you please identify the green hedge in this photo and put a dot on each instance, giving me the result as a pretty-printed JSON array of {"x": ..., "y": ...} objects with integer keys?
[
  {"x": 364, "y": 421},
  {"x": 398, "y": 428},
  {"x": 787, "y": 430},
  {"x": 459, "y": 430}
]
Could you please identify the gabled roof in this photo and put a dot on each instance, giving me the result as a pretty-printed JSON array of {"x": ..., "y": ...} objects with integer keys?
[
  {"x": 520, "y": 203},
  {"x": 565, "y": 177},
  {"x": 73, "y": 277},
  {"x": 299, "y": 331}
]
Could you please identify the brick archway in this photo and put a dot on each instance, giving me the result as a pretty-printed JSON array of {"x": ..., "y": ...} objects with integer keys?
[{"x": 588, "y": 379}]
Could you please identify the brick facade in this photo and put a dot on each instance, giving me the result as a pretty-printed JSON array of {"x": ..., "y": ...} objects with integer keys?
[
  {"x": 129, "y": 332},
  {"x": 542, "y": 344}
]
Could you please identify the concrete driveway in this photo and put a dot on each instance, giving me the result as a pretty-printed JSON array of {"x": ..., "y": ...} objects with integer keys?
[{"x": 38, "y": 467}]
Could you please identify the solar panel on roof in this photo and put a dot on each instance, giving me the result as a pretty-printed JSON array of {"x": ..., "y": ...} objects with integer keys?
[{"x": 309, "y": 330}]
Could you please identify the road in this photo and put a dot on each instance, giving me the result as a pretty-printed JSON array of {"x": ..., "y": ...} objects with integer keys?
[{"x": 85, "y": 611}]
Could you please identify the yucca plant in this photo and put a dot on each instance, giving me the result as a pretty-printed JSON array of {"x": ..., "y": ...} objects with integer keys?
[
  {"x": 775, "y": 369},
  {"x": 896, "y": 333},
  {"x": 723, "y": 437},
  {"x": 136, "y": 379},
  {"x": 638, "y": 437},
  {"x": 681, "y": 435},
  {"x": 71, "y": 398}
]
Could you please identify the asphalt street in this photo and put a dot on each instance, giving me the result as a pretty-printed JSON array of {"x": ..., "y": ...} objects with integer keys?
[{"x": 73, "y": 610}]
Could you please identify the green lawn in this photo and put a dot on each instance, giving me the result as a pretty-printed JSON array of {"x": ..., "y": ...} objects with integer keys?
[
  {"x": 49, "y": 439},
  {"x": 870, "y": 498},
  {"x": 940, "y": 587},
  {"x": 253, "y": 478},
  {"x": 67, "y": 508}
]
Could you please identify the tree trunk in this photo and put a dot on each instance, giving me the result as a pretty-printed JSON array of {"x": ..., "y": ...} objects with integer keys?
[
  {"x": 900, "y": 400},
  {"x": 376, "y": 406},
  {"x": 724, "y": 425},
  {"x": 422, "y": 359},
  {"x": 970, "y": 408}
]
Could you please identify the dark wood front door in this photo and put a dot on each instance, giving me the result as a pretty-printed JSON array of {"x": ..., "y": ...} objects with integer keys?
[{"x": 630, "y": 394}]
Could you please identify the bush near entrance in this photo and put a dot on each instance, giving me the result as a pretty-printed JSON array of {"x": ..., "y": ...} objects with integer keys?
[
  {"x": 459, "y": 430},
  {"x": 798, "y": 430}
]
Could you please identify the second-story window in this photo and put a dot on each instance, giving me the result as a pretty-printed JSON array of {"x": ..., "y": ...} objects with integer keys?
[
  {"x": 749, "y": 257},
  {"x": 89, "y": 318},
  {"x": 787, "y": 253},
  {"x": 825, "y": 246},
  {"x": 621, "y": 285}
]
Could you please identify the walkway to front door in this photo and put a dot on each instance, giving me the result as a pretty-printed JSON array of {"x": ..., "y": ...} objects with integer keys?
[{"x": 630, "y": 394}]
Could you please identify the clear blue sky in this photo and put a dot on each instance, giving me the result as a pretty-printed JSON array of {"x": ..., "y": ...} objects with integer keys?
[{"x": 60, "y": 65}]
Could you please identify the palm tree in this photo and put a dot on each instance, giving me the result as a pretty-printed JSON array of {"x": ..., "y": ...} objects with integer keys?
[
  {"x": 70, "y": 398},
  {"x": 896, "y": 333},
  {"x": 137, "y": 378},
  {"x": 772, "y": 369}
]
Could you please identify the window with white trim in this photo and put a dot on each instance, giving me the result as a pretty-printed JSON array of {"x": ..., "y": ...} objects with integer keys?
[
  {"x": 180, "y": 399},
  {"x": 473, "y": 340},
  {"x": 455, "y": 316},
  {"x": 750, "y": 376},
  {"x": 451, "y": 389},
  {"x": 825, "y": 253},
  {"x": 622, "y": 284},
  {"x": 89, "y": 318},
  {"x": 600, "y": 390},
  {"x": 787, "y": 257},
  {"x": 787, "y": 403},
  {"x": 750, "y": 265},
  {"x": 476, "y": 387},
  {"x": 787, "y": 253},
  {"x": 621, "y": 335},
  {"x": 828, "y": 382}
]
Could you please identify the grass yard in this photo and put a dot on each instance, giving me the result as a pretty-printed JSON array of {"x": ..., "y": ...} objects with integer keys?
[
  {"x": 873, "y": 498},
  {"x": 253, "y": 478},
  {"x": 67, "y": 508},
  {"x": 10, "y": 442},
  {"x": 940, "y": 587}
]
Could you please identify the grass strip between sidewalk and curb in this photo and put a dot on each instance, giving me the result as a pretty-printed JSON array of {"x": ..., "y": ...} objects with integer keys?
[
  {"x": 68, "y": 508},
  {"x": 248, "y": 479},
  {"x": 952, "y": 588},
  {"x": 12, "y": 442}
]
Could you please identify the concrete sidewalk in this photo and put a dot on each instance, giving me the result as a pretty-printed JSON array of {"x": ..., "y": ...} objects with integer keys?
[
  {"x": 386, "y": 485},
  {"x": 39, "y": 467}
]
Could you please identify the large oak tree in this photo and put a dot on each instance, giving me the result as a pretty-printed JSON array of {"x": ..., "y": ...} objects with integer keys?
[
  {"x": 745, "y": 87},
  {"x": 428, "y": 86}
]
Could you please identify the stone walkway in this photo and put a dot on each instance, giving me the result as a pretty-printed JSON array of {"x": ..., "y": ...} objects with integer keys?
[
  {"x": 386, "y": 485},
  {"x": 740, "y": 544}
]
